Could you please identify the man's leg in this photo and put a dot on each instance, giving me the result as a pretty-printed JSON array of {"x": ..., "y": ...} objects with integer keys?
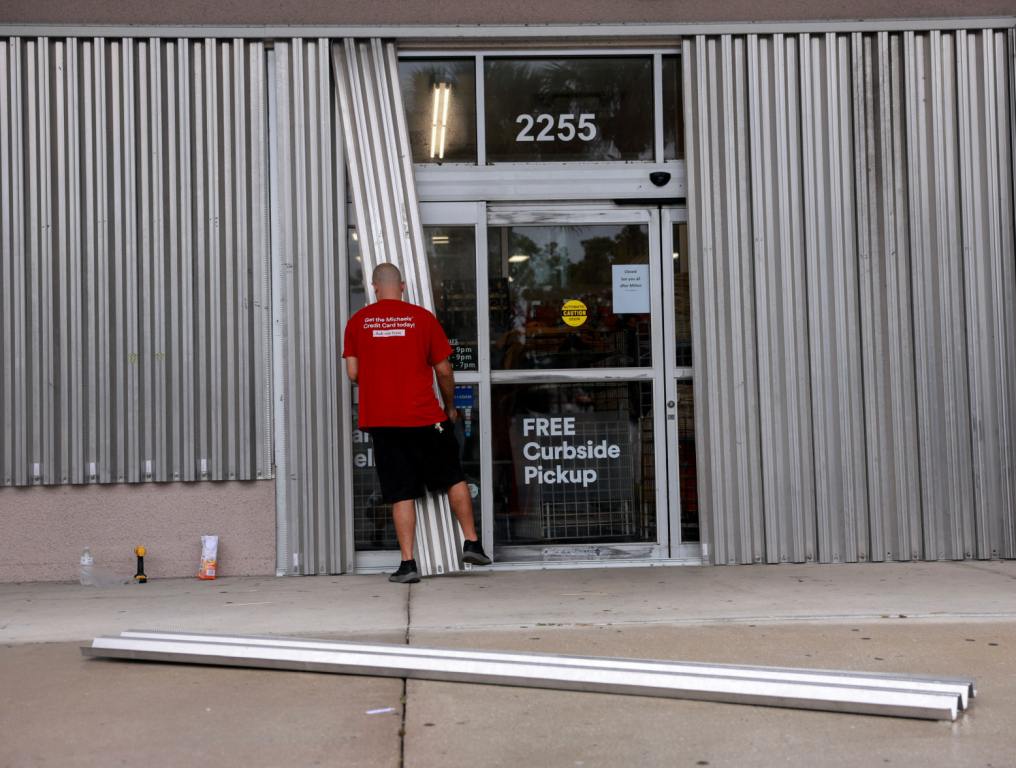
[
  {"x": 462, "y": 506},
  {"x": 404, "y": 514}
]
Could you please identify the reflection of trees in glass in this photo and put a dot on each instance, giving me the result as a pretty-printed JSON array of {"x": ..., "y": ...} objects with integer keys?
[
  {"x": 617, "y": 90},
  {"x": 565, "y": 263},
  {"x": 417, "y": 79}
]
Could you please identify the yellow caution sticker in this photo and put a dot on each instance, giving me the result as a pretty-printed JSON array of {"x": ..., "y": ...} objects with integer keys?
[{"x": 573, "y": 313}]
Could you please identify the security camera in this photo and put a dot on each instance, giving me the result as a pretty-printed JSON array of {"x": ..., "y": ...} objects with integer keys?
[{"x": 659, "y": 178}]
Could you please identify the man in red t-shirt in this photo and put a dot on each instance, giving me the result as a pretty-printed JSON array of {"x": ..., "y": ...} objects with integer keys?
[{"x": 393, "y": 349}]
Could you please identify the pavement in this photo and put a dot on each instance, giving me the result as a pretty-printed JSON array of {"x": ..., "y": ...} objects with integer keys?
[{"x": 59, "y": 709}]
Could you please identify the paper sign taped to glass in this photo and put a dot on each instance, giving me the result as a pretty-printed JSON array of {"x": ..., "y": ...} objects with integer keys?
[{"x": 630, "y": 289}]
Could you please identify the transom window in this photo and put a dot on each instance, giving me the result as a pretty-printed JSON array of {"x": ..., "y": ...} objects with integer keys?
[{"x": 497, "y": 109}]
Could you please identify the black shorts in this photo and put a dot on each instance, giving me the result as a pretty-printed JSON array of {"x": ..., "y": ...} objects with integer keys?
[{"x": 409, "y": 458}]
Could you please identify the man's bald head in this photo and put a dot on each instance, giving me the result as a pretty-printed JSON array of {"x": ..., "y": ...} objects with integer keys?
[{"x": 387, "y": 281}]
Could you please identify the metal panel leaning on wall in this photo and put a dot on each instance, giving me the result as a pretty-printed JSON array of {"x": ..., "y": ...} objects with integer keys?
[
  {"x": 388, "y": 222},
  {"x": 907, "y": 216},
  {"x": 134, "y": 313},
  {"x": 308, "y": 228}
]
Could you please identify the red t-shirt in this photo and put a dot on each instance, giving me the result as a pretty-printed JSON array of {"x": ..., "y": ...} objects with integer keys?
[{"x": 396, "y": 345}]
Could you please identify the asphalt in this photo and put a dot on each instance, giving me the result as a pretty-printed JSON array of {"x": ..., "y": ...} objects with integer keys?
[{"x": 57, "y": 708}]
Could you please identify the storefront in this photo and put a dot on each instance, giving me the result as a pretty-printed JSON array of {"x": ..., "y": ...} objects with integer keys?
[
  {"x": 571, "y": 452},
  {"x": 736, "y": 294}
]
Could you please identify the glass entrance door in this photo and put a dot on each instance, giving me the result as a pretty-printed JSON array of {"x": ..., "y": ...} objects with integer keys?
[{"x": 576, "y": 361}]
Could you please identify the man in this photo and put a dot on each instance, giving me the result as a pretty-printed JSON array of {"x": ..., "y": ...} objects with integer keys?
[{"x": 393, "y": 349}]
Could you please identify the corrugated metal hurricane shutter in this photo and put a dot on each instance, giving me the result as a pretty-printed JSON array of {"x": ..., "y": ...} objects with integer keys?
[
  {"x": 780, "y": 295},
  {"x": 134, "y": 301},
  {"x": 884, "y": 274},
  {"x": 851, "y": 219},
  {"x": 308, "y": 227},
  {"x": 726, "y": 410}
]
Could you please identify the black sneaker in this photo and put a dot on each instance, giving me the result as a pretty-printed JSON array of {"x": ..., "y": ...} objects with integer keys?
[
  {"x": 407, "y": 573},
  {"x": 472, "y": 553}
]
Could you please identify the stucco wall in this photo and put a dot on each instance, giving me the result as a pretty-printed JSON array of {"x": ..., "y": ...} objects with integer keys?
[
  {"x": 43, "y": 529},
  {"x": 340, "y": 12}
]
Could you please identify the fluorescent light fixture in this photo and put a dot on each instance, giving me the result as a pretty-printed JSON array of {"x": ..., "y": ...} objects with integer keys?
[
  {"x": 518, "y": 258},
  {"x": 439, "y": 239},
  {"x": 356, "y": 237},
  {"x": 439, "y": 120},
  {"x": 676, "y": 255}
]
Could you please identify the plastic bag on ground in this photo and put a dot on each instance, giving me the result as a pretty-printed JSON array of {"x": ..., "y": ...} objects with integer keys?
[{"x": 209, "y": 557}]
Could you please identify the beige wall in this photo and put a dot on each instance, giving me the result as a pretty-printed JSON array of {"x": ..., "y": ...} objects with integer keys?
[
  {"x": 43, "y": 529},
  {"x": 339, "y": 12}
]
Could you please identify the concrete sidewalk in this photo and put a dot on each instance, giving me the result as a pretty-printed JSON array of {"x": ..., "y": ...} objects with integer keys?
[
  {"x": 485, "y": 600},
  {"x": 945, "y": 618}
]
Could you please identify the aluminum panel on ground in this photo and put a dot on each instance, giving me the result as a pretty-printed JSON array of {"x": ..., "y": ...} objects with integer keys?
[
  {"x": 862, "y": 693},
  {"x": 134, "y": 218},
  {"x": 963, "y": 687}
]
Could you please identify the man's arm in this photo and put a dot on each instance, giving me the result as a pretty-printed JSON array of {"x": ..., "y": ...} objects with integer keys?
[
  {"x": 446, "y": 383},
  {"x": 352, "y": 368}
]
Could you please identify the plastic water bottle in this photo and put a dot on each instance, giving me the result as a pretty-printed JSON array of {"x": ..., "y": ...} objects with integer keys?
[{"x": 87, "y": 562}]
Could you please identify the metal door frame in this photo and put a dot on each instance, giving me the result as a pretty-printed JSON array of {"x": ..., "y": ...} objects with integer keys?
[
  {"x": 664, "y": 375},
  {"x": 673, "y": 375}
]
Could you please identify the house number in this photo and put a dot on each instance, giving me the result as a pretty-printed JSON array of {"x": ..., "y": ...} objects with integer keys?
[{"x": 567, "y": 127}]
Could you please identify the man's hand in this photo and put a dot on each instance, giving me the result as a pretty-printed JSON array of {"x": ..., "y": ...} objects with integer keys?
[{"x": 446, "y": 383}]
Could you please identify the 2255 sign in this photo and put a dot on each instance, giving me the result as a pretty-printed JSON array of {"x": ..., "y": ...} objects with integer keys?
[{"x": 565, "y": 127}]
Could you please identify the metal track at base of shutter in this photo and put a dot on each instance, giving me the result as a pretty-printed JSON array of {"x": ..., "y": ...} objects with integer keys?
[
  {"x": 388, "y": 223},
  {"x": 923, "y": 697}
]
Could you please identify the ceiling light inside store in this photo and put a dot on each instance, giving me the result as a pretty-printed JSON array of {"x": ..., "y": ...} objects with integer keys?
[
  {"x": 518, "y": 258},
  {"x": 439, "y": 239},
  {"x": 439, "y": 120},
  {"x": 676, "y": 255}
]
